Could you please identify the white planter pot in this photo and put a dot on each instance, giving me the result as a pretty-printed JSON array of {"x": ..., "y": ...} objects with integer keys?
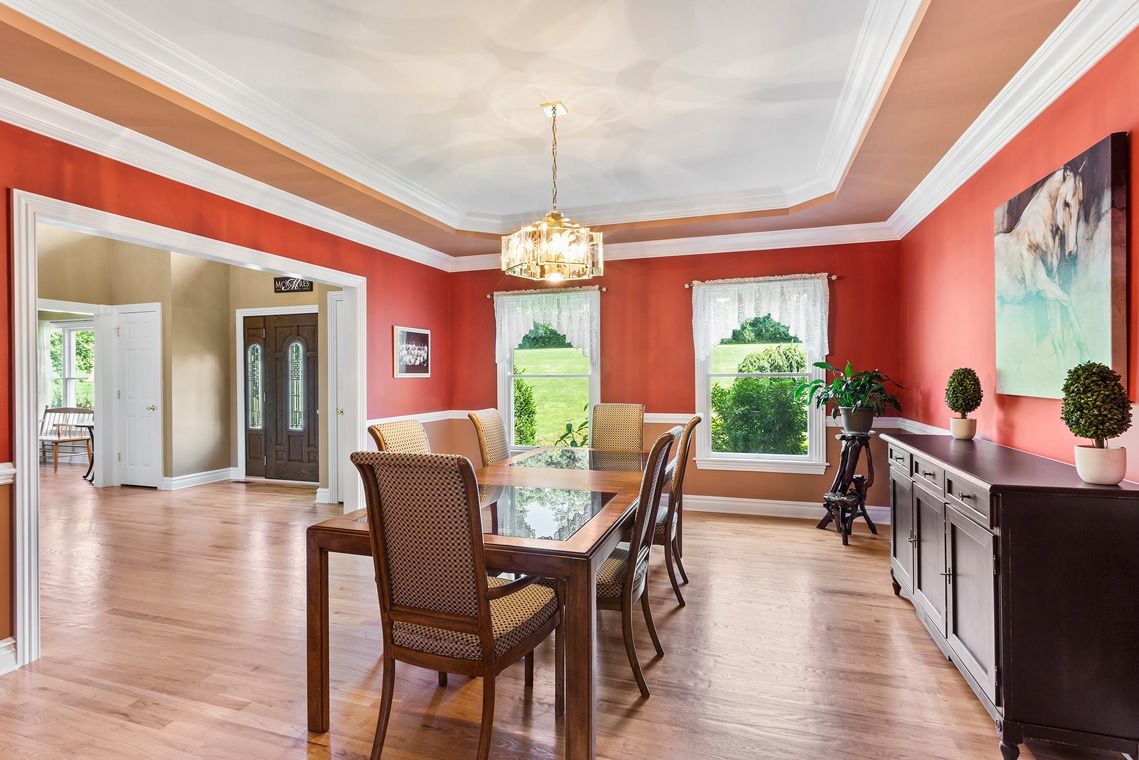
[
  {"x": 1105, "y": 467},
  {"x": 963, "y": 428}
]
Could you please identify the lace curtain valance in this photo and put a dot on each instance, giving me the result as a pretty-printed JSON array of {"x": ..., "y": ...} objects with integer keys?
[
  {"x": 575, "y": 313},
  {"x": 800, "y": 302}
]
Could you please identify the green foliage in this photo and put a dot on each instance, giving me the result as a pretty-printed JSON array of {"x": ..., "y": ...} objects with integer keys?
[
  {"x": 761, "y": 415},
  {"x": 524, "y": 413},
  {"x": 784, "y": 357},
  {"x": 576, "y": 434},
  {"x": 1095, "y": 403},
  {"x": 761, "y": 330},
  {"x": 847, "y": 388},
  {"x": 963, "y": 393},
  {"x": 544, "y": 336}
]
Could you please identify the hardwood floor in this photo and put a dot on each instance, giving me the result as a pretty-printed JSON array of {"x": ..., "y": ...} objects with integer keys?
[{"x": 174, "y": 627}]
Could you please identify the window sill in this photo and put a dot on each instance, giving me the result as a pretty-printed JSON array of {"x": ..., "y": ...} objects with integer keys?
[{"x": 761, "y": 465}]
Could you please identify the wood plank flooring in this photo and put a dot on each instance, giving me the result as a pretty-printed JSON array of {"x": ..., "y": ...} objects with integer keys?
[{"x": 174, "y": 627}]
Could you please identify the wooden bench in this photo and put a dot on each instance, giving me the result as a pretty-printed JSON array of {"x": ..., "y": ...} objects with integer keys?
[{"x": 62, "y": 426}]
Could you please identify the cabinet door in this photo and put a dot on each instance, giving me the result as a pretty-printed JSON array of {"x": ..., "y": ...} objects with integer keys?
[
  {"x": 901, "y": 530},
  {"x": 929, "y": 555},
  {"x": 972, "y": 616}
]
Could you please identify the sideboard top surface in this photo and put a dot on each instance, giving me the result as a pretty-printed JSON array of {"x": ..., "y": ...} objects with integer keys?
[{"x": 1007, "y": 470}]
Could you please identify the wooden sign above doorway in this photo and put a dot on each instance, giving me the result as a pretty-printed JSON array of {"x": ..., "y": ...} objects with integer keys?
[{"x": 291, "y": 285}]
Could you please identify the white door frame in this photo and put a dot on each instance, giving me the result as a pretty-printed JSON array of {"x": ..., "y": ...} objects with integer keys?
[
  {"x": 337, "y": 459},
  {"x": 28, "y": 209},
  {"x": 241, "y": 314}
]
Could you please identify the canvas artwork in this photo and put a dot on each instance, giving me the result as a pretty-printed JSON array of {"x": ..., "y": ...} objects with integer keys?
[
  {"x": 1060, "y": 249},
  {"x": 412, "y": 352}
]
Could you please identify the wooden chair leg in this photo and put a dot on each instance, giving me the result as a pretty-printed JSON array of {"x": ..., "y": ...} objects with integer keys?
[
  {"x": 55, "y": 457},
  {"x": 649, "y": 620},
  {"x": 560, "y": 669},
  {"x": 487, "y": 714},
  {"x": 442, "y": 678},
  {"x": 385, "y": 707},
  {"x": 631, "y": 648},
  {"x": 530, "y": 668},
  {"x": 679, "y": 563},
  {"x": 668, "y": 564}
]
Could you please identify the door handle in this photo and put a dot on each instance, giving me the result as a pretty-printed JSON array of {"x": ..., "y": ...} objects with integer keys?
[
  {"x": 151, "y": 408},
  {"x": 340, "y": 411}
]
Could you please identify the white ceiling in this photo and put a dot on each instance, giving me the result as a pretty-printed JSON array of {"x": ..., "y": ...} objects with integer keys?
[{"x": 676, "y": 108}]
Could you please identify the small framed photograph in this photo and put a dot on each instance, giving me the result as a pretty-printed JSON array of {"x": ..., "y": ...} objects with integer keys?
[{"x": 412, "y": 352}]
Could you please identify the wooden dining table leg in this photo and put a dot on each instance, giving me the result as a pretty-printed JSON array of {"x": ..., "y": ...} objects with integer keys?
[
  {"x": 316, "y": 582},
  {"x": 581, "y": 663}
]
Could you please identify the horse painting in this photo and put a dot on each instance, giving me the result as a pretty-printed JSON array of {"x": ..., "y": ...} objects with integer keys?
[{"x": 1056, "y": 258}]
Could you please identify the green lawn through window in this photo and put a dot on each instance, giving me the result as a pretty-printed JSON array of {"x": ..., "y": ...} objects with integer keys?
[{"x": 557, "y": 400}]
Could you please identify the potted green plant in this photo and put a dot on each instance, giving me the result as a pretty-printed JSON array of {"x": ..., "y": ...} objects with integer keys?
[
  {"x": 858, "y": 397},
  {"x": 963, "y": 394},
  {"x": 1096, "y": 406}
]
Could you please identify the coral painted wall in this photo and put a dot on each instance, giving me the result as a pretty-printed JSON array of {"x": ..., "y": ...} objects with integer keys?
[
  {"x": 947, "y": 272},
  {"x": 647, "y": 354}
]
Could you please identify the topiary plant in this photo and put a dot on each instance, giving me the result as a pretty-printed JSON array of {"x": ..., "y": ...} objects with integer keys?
[
  {"x": 1095, "y": 403},
  {"x": 963, "y": 392}
]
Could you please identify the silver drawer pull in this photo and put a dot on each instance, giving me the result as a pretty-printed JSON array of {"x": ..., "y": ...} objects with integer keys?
[
  {"x": 927, "y": 474},
  {"x": 899, "y": 459},
  {"x": 965, "y": 496}
]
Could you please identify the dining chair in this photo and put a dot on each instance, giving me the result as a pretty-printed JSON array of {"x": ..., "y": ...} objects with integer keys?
[
  {"x": 619, "y": 427},
  {"x": 401, "y": 437},
  {"x": 492, "y": 435},
  {"x": 438, "y": 607},
  {"x": 670, "y": 518},
  {"x": 622, "y": 578}
]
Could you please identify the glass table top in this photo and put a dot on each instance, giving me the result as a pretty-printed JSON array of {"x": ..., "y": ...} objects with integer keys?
[
  {"x": 547, "y": 513},
  {"x": 585, "y": 459}
]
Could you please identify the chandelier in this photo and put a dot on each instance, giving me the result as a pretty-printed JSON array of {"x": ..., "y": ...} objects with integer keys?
[{"x": 554, "y": 248}]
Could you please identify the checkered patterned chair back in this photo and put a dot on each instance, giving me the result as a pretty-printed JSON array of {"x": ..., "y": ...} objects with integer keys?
[
  {"x": 667, "y": 513},
  {"x": 402, "y": 437},
  {"x": 492, "y": 435},
  {"x": 426, "y": 530},
  {"x": 617, "y": 427}
]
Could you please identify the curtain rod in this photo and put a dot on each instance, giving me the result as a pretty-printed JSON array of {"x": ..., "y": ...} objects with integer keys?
[
  {"x": 689, "y": 285},
  {"x": 544, "y": 290}
]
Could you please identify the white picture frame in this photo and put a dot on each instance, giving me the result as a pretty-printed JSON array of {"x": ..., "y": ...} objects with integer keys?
[{"x": 411, "y": 351}]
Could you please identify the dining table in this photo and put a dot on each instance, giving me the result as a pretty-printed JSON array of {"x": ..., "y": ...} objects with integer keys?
[{"x": 551, "y": 512}]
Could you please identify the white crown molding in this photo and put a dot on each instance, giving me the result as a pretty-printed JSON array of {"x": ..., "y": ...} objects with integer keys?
[
  {"x": 59, "y": 121},
  {"x": 105, "y": 30},
  {"x": 109, "y": 32},
  {"x": 881, "y": 44},
  {"x": 1092, "y": 29}
]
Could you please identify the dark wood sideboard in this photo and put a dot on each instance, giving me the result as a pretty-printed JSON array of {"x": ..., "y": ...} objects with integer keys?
[{"x": 1027, "y": 578}]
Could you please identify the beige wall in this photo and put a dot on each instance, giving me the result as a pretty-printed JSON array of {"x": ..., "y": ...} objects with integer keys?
[{"x": 199, "y": 332}]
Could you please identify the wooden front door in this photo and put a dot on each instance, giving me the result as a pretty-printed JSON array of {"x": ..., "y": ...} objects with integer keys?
[{"x": 281, "y": 395}]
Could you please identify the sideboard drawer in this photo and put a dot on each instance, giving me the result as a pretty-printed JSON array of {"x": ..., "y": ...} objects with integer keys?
[
  {"x": 925, "y": 470},
  {"x": 972, "y": 498},
  {"x": 899, "y": 457}
]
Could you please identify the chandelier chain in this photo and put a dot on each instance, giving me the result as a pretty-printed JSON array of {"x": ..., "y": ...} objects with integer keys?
[{"x": 554, "y": 153}]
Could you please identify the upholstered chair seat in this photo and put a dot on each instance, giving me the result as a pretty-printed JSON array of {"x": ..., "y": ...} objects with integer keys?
[{"x": 611, "y": 576}]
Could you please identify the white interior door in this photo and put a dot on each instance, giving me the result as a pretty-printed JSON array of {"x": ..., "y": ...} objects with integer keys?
[{"x": 139, "y": 395}]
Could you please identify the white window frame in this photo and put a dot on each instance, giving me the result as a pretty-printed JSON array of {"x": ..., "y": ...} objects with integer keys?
[
  {"x": 816, "y": 348},
  {"x": 586, "y": 302},
  {"x": 69, "y": 378}
]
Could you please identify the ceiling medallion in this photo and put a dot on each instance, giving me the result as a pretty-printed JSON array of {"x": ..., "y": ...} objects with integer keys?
[{"x": 554, "y": 248}]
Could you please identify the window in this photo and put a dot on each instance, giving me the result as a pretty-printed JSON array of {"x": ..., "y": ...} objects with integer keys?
[
  {"x": 296, "y": 356},
  {"x": 547, "y": 350},
  {"x": 755, "y": 341},
  {"x": 254, "y": 393},
  {"x": 71, "y": 349}
]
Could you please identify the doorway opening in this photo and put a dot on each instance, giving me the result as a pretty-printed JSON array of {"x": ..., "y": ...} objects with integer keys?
[{"x": 28, "y": 211}]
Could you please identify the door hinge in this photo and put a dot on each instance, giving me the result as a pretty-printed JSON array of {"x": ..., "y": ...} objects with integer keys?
[
  {"x": 118, "y": 394},
  {"x": 120, "y": 456},
  {"x": 262, "y": 333}
]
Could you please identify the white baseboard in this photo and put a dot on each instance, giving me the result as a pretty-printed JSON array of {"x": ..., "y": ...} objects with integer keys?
[
  {"x": 799, "y": 510},
  {"x": 198, "y": 479},
  {"x": 7, "y": 656},
  {"x": 323, "y": 496}
]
